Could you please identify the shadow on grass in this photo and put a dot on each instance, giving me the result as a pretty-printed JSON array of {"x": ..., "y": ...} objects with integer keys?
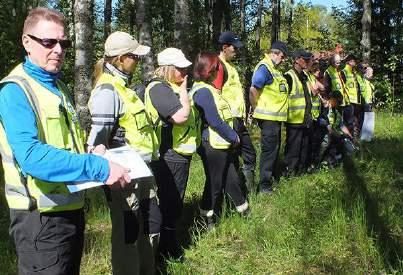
[{"x": 391, "y": 249}]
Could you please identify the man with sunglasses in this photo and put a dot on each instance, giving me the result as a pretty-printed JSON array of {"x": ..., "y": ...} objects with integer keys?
[
  {"x": 299, "y": 119},
  {"x": 42, "y": 150},
  {"x": 233, "y": 92},
  {"x": 269, "y": 98}
]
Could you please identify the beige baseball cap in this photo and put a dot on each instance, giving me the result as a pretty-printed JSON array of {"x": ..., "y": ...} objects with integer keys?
[
  {"x": 119, "y": 43},
  {"x": 173, "y": 56}
]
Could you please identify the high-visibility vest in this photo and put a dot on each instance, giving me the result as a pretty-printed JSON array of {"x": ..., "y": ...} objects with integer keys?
[
  {"x": 337, "y": 84},
  {"x": 296, "y": 100},
  {"x": 232, "y": 90},
  {"x": 185, "y": 136},
  {"x": 139, "y": 133},
  {"x": 272, "y": 103},
  {"x": 224, "y": 111},
  {"x": 335, "y": 119},
  {"x": 315, "y": 99},
  {"x": 351, "y": 84},
  {"x": 58, "y": 126},
  {"x": 366, "y": 88}
]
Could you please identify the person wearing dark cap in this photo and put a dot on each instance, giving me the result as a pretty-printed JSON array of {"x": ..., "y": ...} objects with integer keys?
[
  {"x": 349, "y": 75},
  {"x": 269, "y": 98},
  {"x": 233, "y": 92},
  {"x": 299, "y": 119}
]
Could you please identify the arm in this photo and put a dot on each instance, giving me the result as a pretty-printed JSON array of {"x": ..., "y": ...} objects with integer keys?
[
  {"x": 205, "y": 101},
  {"x": 38, "y": 159},
  {"x": 105, "y": 106},
  {"x": 260, "y": 78},
  {"x": 168, "y": 105}
]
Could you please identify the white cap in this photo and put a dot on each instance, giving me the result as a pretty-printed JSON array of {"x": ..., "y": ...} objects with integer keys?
[
  {"x": 120, "y": 43},
  {"x": 173, "y": 56}
]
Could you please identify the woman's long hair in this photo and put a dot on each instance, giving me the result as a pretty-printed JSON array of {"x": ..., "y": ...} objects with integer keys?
[
  {"x": 99, "y": 67},
  {"x": 205, "y": 66}
]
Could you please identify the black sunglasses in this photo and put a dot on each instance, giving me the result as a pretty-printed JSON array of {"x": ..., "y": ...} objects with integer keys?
[
  {"x": 133, "y": 56},
  {"x": 49, "y": 43}
]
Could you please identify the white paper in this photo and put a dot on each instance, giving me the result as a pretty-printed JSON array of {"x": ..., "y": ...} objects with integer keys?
[
  {"x": 125, "y": 156},
  {"x": 368, "y": 125}
]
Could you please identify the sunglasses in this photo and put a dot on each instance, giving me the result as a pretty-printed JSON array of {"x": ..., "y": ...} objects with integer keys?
[
  {"x": 133, "y": 56},
  {"x": 49, "y": 43}
]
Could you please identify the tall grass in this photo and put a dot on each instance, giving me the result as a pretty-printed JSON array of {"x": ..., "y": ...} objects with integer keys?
[{"x": 345, "y": 220}]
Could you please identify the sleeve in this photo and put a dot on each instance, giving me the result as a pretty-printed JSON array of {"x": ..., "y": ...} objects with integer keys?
[
  {"x": 261, "y": 77},
  {"x": 38, "y": 159},
  {"x": 164, "y": 100},
  {"x": 104, "y": 108},
  {"x": 288, "y": 78},
  {"x": 204, "y": 100}
]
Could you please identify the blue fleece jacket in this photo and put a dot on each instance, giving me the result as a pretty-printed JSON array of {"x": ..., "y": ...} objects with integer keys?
[{"x": 35, "y": 158}]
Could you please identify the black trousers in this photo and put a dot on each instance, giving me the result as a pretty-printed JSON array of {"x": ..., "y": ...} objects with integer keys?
[
  {"x": 221, "y": 176},
  {"x": 270, "y": 147},
  {"x": 246, "y": 148},
  {"x": 298, "y": 140},
  {"x": 317, "y": 135},
  {"x": 358, "y": 117},
  {"x": 348, "y": 117},
  {"x": 48, "y": 243},
  {"x": 171, "y": 178}
]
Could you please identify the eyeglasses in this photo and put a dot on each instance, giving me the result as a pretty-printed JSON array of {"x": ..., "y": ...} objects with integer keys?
[{"x": 49, "y": 43}]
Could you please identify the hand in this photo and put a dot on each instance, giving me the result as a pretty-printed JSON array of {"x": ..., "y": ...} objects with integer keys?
[
  {"x": 118, "y": 175},
  {"x": 99, "y": 150},
  {"x": 184, "y": 84}
]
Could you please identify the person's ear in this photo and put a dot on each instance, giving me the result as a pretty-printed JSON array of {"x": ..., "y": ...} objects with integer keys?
[{"x": 26, "y": 43}]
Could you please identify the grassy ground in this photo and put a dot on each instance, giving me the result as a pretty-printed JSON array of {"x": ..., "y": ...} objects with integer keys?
[{"x": 346, "y": 220}]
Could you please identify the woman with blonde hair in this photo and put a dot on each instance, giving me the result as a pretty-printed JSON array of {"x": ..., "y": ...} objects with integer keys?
[
  {"x": 119, "y": 119},
  {"x": 176, "y": 123}
]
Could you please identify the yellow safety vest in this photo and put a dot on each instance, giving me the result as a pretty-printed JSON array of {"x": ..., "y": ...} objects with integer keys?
[
  {"x": 367, "y": 89},
  {"x": 273, "y": 100},
  {"x": 351, "y": 84},
  {"x": 232, "y": 91},
  {"x": 139, "y": 134},
  {"x": 224, "y": 111},
  {"x": 315, "y": 111},
  {"x": 27, "y": 193},
  {"x": 337, "y": 84},
  {"x": 186, "y": 136},
  {"x": 296, "y": 100}
]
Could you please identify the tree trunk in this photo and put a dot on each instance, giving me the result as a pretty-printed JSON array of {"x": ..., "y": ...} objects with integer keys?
[
  {"x": 208, "y": 4},
  {"x": 275, "y": 25},
  {"x": 258, "y": 25},
  {"x": 218, "y": 13},
  {"x": 83, "y": 15},
  {"x": 243, "y": 16},
  {"x": 181, "y": 32},
  {"x": 145, "y": 38},
  {"x": 107, "y": 18},
  {"x": 289, "y": 37},
  {"x": 227, "y": 16},
  {"x": 366, "y": 31}
]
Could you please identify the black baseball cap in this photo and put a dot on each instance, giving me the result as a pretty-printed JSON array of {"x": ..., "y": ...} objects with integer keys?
[
  {"x": 350, "y": 57},
  {"x": 301, "y": 53},
  {"x": 230, "y": 38},
  {"x": 281, "y": 46}
]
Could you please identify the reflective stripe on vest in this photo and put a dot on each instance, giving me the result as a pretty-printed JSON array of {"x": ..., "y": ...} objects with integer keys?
[
  {"x": 315, "y": 111},
  {"x": 351, "y": 84},
  {"x": 232, "y": 91},
  {"x": 337, "y": 84},
  {"x": 58, "y": 126},
  {"x": 296, "y": 100},
  {"x": 139, "y": 132},
  {"x": 185, "y": 136},
  {"x": 224, "y": 111},
  {"x": 272, "y": 103}
]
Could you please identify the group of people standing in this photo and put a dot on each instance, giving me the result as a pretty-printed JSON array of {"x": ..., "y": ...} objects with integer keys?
[{"x": 43, "y": 147}]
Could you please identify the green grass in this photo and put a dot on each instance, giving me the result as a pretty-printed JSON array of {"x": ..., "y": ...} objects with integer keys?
[{"x": 346, "y": 220}]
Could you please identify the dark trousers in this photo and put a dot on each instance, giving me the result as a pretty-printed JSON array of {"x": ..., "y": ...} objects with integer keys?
[
  {"x": 317, "y": 135},
  {"x": 348, "y": 117},
  {"x": 270, "y": 147},
  {"x": 221, "y": 176},
  {"x": 247, "y": 150},
  {"x": 358, "y": 117},
  {"x": 296, "y": 149},
  {"x": 48, "y": 243},
  {"x": 171, "y": 178}
]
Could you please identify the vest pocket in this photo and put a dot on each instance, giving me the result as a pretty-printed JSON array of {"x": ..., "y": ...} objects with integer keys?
[
  {"x": 141, "y": 120},
  {"x": 56, "y": 128}
]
